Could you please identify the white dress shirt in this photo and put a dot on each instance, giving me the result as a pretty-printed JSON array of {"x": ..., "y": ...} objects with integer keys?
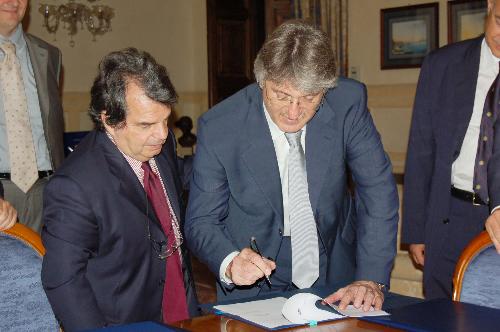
[
  {"x": 282, "y": 148},
  {"x": 462, "y": 169}
]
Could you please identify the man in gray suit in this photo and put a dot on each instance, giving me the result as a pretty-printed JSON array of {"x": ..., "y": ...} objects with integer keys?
[
  {"x": 39, "y": 65},
  {"x": 271, "y": 168}
]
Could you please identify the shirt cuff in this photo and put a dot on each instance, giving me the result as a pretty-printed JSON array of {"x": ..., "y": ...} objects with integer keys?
[
  {"x": 495, "y": 208},
  {"x": 223, "y": 267}
]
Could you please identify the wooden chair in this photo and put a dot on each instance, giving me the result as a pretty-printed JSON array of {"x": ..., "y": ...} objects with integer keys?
[
  {"x": 476, "y": 279},
  {"x": 23, "y": 302}
]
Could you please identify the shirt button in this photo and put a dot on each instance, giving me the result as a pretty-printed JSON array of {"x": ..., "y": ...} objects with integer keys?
[
  {"x": 485, "y": 138},
  {"x": 478, "y": 186},
  {"x": 488, "y": 114},
  {"x": 481, "y": 162}
]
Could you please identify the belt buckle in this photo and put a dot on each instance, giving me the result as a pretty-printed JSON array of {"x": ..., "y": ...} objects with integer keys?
[{"x": 474, "y": 199}]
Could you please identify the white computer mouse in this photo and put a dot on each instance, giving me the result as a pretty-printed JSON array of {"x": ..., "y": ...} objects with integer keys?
[{"x": 301, "y": 309}]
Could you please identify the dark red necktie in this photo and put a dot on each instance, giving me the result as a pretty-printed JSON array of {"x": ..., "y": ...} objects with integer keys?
[{"x": 174, "y": 293}]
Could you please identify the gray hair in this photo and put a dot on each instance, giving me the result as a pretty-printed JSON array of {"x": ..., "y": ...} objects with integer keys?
[{"x": 299, "y": 53}]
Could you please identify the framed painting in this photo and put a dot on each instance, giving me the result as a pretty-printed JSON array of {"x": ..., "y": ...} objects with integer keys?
[
  {"x": 408, "y": 34},
  {"x": 465, "y": 19}
]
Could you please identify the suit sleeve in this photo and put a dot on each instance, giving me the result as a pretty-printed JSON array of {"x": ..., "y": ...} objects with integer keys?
[
  {"x": 376, "y": 195},
  {"x": 70, "y": 236},
  {"x": 419, "y": 160},
  {"x": 209, "y": 193}
]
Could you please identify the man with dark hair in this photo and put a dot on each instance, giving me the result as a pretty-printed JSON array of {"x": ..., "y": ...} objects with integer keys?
[
  {"x": 31, "y": 115},
  {"x": 270, "y": 168},
  {"x": 113, "y": 211}
]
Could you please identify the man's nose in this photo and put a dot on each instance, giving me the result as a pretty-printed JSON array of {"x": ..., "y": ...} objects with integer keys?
[
  {"x": 294, "y": 110},
  {"x": 161, "y": 131}
]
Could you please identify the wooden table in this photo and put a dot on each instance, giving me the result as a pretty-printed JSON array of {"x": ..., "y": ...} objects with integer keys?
[{"x": 214, "y": 323}]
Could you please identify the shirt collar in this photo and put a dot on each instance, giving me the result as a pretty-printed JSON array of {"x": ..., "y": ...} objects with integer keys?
[
  {"x": 17, "y": 38},
  {"x": 130, "y": 160},
  {"x": 489, "y": 59}
]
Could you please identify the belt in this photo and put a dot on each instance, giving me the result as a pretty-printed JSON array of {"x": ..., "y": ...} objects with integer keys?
[
  {"x": 41, "y": 175},
  {"x": 467, "y": 196}
]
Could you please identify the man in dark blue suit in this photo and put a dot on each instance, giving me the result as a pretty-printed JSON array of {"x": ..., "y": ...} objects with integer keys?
[
  {"x": 114, "y": 249},
  {"x": 442, "y": 208},
  {"x": 243, "y": 188}
]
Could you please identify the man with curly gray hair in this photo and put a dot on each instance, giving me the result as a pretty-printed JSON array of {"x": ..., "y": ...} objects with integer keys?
[{"x": 271, "y": 168}]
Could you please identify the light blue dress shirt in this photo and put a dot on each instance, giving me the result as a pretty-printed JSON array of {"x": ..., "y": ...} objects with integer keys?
[{"x": 34, "y": 113}]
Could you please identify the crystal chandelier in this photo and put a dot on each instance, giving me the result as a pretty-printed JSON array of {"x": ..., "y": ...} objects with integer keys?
[{"x": 75, "y": 16}]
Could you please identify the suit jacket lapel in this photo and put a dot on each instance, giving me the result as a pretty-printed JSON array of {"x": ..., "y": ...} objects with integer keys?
[
  {"x": 129, "y": 184},
  {"x": 260, "y": 155},
  {"x": 39, "y": 57},
  {"x": 319, "y": 135},
  {"x": 464, "y": 81}
]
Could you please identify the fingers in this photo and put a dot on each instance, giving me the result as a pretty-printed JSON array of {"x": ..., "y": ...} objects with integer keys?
[
  {"x": 332, "y": 298},
  {"x": 248, "y": 267},
  {"x": 493, "y": 228},
  {"x": 378, "y": 301},
  {"x": 8, "y": 215},
  {"x": 362, "y": 294},
  {"x": 417, "y": 252}
]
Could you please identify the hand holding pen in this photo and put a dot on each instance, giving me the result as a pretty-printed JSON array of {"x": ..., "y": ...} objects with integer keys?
[
  {"x": 247, "y": 267},
  {"x": 255, "y": 247}
]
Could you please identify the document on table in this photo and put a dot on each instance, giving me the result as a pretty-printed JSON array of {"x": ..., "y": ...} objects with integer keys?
[
  {"x": 280, "y": 312},
  {"x": 266, "y": 313}
]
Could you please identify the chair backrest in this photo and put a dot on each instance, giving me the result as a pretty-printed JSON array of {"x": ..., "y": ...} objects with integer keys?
[
  {"x": 476, "y": 279},
  {"x": 23, "y": 303}
]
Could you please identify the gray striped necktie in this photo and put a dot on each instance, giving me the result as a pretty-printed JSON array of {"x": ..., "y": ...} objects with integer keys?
[{"x": 304, "y": 236}]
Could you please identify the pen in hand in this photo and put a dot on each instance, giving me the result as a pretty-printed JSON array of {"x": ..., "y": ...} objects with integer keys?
[{"x": 254, "y": 247}]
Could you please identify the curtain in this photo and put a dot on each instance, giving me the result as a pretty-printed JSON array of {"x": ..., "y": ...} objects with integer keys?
[{"x": 331, "y": 17}]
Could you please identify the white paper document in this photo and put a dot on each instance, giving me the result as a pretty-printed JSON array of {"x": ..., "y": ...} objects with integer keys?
[
  {"x": 266, "y": 313},
  {"x": 302, "y": 308}
]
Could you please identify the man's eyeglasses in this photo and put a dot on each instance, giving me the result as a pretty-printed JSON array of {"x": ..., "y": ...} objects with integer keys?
[
  {"x": 161, "y": 248},
  {"x": 282, "y": 99}
]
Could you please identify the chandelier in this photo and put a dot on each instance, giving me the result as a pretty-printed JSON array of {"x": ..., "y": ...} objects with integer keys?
[{"x": 75, "y": 16}]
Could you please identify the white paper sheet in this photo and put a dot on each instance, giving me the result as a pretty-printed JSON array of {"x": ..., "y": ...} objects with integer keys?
[{"x": 262, "y": 312}]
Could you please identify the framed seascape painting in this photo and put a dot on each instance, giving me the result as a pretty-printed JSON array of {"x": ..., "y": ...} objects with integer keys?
[
  {"x": 408, "y": 34},
  {"x": 465, "y": 19}
]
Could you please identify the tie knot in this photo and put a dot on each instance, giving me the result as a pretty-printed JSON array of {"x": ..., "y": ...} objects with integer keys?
[
  {"x": 146, "y": 167},
  {"x": 293, "y": 138},
  {"x": 8, "y": 47}
]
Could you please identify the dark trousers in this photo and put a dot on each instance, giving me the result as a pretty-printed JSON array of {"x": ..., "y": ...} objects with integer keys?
[{"x": 465, "y": 222}]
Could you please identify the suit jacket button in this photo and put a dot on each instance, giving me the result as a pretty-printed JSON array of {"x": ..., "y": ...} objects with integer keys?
[
  {"x": 446, "y": 221},
  {"x": 161, "y": 282},
  {"x": 280, "y": 232}
]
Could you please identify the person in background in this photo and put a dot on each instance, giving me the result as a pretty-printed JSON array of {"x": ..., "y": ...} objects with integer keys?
[
  {"x": 446, "y": 194},
  {"x": 31, "y": 117},
  {"x": 270, "y": 180},
  {"x": 112, "y": 211}
]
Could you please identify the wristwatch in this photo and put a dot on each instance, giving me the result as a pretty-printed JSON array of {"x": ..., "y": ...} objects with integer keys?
[{"x": 382, "y": 287}]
